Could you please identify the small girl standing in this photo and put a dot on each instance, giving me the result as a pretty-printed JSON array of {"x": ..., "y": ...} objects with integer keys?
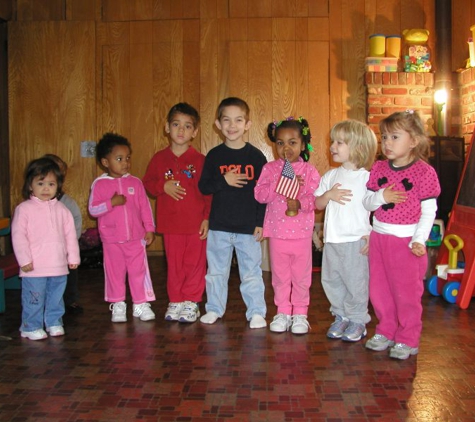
[
  {"x": 290, "y": 237},
  {"x": 45, "y": 245},
  {"x": 402, "y": 192},
  {"x": 125, "y": 222},
  {"x": 182, "y": 212},
  {"x": 347, "y": 228}
]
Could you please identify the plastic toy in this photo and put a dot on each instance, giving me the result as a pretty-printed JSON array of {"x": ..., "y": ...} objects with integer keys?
[{"x": 449, "y": 276}]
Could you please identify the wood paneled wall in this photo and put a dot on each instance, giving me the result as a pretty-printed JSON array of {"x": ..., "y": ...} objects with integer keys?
[{"x": 79, "y": 68}]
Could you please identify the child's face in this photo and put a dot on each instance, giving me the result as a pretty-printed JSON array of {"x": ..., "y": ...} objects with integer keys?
[
  {"x": 233, "y": 123},
  {"x": 289, "y": 144},
  {"x": 181, "y": 129},
  {"x": 117, "y": 162},
  {"x": 340, "y": 150},
  {"x": 45, "y": 188},
  {"x": 398, "y": 146}
]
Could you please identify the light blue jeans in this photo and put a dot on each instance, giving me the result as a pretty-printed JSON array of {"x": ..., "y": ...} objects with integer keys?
[
  {"x": 42, "y": 302},
  {"x": 219, "y": 251}
]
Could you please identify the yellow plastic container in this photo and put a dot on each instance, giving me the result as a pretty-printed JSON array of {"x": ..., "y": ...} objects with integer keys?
[
  {"x": 377, "y": 45},
  {"x": 393, "y": 46}
]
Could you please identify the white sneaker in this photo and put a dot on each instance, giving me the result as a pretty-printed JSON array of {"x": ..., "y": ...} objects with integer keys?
[
  {"x": 173, "y": 311},
  {"x": 300, "y": 324},
  {"x": 209, "y": 318},
  {"x": 55, "y": 330},
  {"x": 190, "y": 312},
  {"x": 34, "y": 335},
  {"x": 281, "y": 323},
  {"x": 257, "y": 321},
  {"x": 119, "y": 311},
  {"x": 143, "y": 312}
]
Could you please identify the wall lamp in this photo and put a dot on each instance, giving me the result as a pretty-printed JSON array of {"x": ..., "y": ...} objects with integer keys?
[{"x": 440, "y": 98}]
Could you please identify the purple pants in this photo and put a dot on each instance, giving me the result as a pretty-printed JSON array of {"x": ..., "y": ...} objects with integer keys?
[{"x": 396, "y": 287}]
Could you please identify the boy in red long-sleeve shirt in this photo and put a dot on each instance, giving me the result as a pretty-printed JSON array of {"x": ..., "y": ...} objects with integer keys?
[{"x": 182, "y": 212}]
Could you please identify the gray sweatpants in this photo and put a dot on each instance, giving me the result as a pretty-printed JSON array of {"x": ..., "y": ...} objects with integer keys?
[{"x": 345, "y": 279}]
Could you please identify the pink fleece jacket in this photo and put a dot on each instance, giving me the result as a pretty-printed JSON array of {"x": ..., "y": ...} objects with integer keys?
[
  {"x": 43, "y": 233},
  {"x": 126, "y": 222},
  {"x": 276, "y": 223}
]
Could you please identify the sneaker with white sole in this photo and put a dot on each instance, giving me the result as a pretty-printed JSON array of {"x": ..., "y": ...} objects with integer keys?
[
  {"x": 119, "y": 311},
  {"x": 281, "y": 323},
  {"x": 354, "y": 332},
  {"x": 190, "y": 312},
  {"x": 209, "y": 317},
  {"x": 402, "y": 351},
  {"x": 338, "y": 327},
  {"x": 257, "y": 321},
  {"x": 379, "y": 343},
  {"x": 34, "y": 335},
  {"x": 55, "y": 330},
  {"x": 144, "y": 312},
  {"x": 173, "y": 311},
  {"x": 300, "y": 324}
]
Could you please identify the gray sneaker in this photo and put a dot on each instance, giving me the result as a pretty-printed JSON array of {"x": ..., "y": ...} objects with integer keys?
[
  {"x": 338, "y": 327},
  {"x": 402, "y": 351},
  {"x": 354, "y": 332},
  {"x": 379, "y": 343}
]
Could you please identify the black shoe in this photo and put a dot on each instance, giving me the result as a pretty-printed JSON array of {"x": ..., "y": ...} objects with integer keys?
[{"x": 74, "y": 309}]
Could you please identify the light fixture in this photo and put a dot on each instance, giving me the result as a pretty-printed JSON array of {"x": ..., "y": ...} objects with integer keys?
[{"x": 440, "y": 98}]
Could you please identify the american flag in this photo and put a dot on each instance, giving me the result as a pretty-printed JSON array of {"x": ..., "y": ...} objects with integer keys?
[{"x": 288, "y": 184}]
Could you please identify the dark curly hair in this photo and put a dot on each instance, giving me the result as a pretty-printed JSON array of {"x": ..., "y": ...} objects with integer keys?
[
  {"x": 107, "y": 143},
  {"x": 300, "y": 125}
]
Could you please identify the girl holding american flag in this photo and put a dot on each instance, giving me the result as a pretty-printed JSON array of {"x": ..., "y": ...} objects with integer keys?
[{"x": 286, "y": 185}]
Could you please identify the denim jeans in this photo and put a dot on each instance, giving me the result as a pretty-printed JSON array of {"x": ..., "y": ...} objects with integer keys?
[
  {"x": 42, "y": 302},
  {"x": 219, "y": 252}
]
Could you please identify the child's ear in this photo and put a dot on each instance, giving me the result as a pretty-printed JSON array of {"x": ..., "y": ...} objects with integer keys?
[
  {"x": 218, "y": 124},
  {"x": 167, "y": 127},
  {"x": 248, "y": 125},
  {"x": 195, "y": 132},
  {"x": 105, "y": 162}
]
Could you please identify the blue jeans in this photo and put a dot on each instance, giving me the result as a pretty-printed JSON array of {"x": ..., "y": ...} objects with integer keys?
[
  {"x": 219, "y": 251},
  {"x": 42, "y": 302}
]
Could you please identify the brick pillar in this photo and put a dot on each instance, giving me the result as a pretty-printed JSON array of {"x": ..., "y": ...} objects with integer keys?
[
  {"x": 466, "y": 84},
  {"x": 389, "y": 92}
]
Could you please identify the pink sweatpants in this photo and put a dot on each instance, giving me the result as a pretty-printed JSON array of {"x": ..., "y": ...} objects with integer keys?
[
  {"x": 396, "y": 287},
  {"x": 121, "y": 259},
  {"x": 291, "y": 265},
  {"x": 186, "y": 259}
]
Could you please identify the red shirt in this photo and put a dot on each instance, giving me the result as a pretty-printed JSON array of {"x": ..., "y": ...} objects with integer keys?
[{"x": 186, "y": 215}]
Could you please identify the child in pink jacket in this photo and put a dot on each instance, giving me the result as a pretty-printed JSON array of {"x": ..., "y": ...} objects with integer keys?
[
  {"x": 45, "y": 245},
  {"x": 125, "y": 222},
  {"x": 289, "y": 224}
]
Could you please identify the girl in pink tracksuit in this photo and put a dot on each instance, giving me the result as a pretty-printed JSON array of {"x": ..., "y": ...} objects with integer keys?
[
  {"x": 126, "y": 227},
  {"x": 290, "y": 237}
]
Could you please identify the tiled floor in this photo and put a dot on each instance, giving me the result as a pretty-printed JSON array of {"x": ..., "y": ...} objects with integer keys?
[{"x": 161, "y": 371}]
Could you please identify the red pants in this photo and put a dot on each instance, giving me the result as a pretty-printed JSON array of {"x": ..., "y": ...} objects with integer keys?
[{"x": 186, "y": 259}]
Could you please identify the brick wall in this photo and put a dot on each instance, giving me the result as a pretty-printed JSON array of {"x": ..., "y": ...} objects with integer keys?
[
  {"x": 388, "y": 92},
  {"x": 466, "y": 86}
]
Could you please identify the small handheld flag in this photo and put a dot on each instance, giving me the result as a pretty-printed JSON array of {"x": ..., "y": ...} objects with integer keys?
[{"x": 288, "y": 184}]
